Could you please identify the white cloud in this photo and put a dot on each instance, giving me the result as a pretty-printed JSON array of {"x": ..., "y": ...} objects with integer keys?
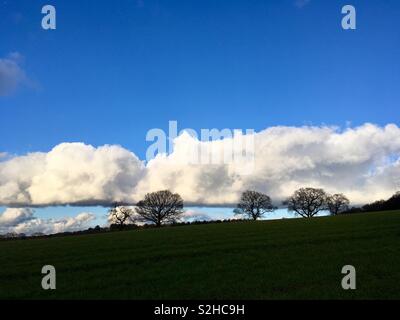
[
  {"x": 22, "y": 220},
  {"x": 194, "y": 215},
  {"x": 14, "y": 216},
  {"x": 50, "y": 226},
  {"x": 70, "y": 173},
  {"x": 11, "y": 74},
  {"x": 361, "y": 162},
  {"x": 287, "y": 158}
]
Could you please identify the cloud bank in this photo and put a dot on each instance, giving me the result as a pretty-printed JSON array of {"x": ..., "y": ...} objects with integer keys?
[
  {"x": 22, "y": 220},
  {"x": 11, "y": 74},
  {"x": 191, "y": 215},
  {"x": 72, "y": 173},
  {"x": 362, "y": 162}
]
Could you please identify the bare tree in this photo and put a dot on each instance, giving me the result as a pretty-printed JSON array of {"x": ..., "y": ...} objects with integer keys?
[
  {"x": 120, "y": 215},
  {"x": 337, "y": 203},
  {"x": 160, "y": 207},
  {"x": 307, "y": 202},
  {"x": 254, "y": 205}
]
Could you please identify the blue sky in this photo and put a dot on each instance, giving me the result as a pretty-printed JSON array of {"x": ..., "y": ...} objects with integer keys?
[{"x": 115, "y": 69}]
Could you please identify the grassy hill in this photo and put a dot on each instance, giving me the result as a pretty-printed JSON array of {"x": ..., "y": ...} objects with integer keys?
[{"x": 285, "y": 259}]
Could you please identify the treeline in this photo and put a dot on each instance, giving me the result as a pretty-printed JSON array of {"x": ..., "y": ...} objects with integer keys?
[
  {"x": 393, "y": 203},
  {"x": 166, "y": 208}
]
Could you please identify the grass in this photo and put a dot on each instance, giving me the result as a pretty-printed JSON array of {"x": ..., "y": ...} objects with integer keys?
[{"x": 282, "y": 259}]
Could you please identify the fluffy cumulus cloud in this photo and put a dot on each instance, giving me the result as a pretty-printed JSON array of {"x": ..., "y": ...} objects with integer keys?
[
  {"x": 23, "y": 220},
  {"x": 72, "y": 173},
  {"x": 362, "y": 162},
  {"x": 15, "y": 216},
  {"x": 11, "y": 73}
]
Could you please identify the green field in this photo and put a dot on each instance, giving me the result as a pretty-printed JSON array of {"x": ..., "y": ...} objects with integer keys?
[{"x": 282, "y": 259}]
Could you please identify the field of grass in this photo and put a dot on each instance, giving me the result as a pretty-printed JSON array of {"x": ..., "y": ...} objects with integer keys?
[{"x": 285, "y": 259}]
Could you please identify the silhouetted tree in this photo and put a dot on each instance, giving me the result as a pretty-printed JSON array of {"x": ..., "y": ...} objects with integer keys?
[
  {"x": 307, "y": 202},
  {"x": 337, "y": 203},
  {"x": 254, "y": 205},
  {"x": 393, "y": 203},
  {"x": 160, "y": 207},
  {"x": 120, "y": 215}
]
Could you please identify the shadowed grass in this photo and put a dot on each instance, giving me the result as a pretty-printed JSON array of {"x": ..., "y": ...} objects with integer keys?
[{"x": 282, "y": 259}]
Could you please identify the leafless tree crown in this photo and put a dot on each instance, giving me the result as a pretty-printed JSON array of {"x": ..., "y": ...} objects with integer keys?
[
  {"x": 337, "y": 203},
  {"x": 120, "y": 215},
  {"x": 160, "y": 207},
  {"x": 307, "y": 202},
  {"x": 254, "y": 205}
]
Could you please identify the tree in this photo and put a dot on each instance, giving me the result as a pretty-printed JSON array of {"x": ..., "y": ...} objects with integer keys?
[
  {"x": 120, "y": 215},
  {"x": 307, "y": 202},
  {"x": 393, "y": 203},
  {"x": 160, "y": 207},
  {"x": 254, "y": 205},
  {"x": 337, "y": 203}
]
